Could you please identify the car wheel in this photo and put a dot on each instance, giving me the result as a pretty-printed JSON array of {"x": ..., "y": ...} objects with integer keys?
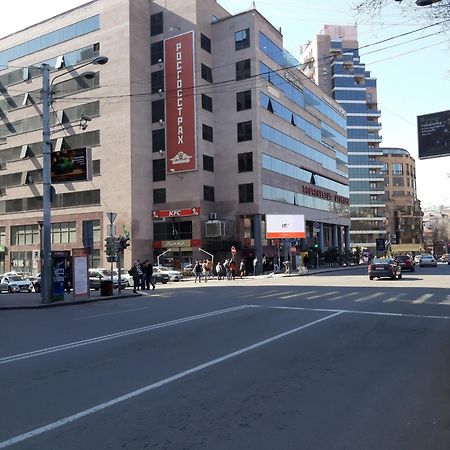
[
  {"x": 392, "y": 277},
  {"x": 400, "y": 276},
  {"x": 164, "y": 282},
  {"x": 9, "y": 289},
  {"x": 370, "y": 278},
  {"x": 37, "y": 288}
]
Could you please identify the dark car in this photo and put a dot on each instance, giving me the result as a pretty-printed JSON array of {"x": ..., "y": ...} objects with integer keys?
[
  {"x": 384, "y": 267},
  {"x": 406, "y": 262},
  {"x": 159, "y": 277}
]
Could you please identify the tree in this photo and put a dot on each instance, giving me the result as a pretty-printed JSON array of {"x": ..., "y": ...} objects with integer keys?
[{"x": 436, "y": 12}]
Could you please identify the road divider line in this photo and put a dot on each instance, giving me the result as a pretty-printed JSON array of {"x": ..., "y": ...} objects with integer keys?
[
  {"x": 71, "y": 345},
  {"x": 59, "y": 423}
]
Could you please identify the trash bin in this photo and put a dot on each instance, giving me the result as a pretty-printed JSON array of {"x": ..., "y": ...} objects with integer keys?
[{"x": 106, "y": 288}]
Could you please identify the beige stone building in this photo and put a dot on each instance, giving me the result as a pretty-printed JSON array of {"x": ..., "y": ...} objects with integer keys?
[
  {"x": 403, "y": 211},
  {"x": 199, "y": 125}
]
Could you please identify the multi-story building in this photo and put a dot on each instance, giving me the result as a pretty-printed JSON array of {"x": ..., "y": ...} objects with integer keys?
[
  {"x": 197, "y": 127},
  {"x": 332, "y": 61},
  {"x": 404, "y": 228}
]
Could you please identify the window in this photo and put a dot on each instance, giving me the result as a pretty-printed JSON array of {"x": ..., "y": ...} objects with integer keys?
[
  {"x": 208, "y": 193},
  {"x": 244, "y": 131},
  {"x": 157, "y": 81},
  {"x": 242, "y": 39},
  {"x": 156, "y": 24},
  {"x": 397, "y": 169},
  {"x": 159, "y": 169},
  {"x": 25, "y": 235},
  {"x": 157, "y": 52},
  {"x": 64, "y": 233},
  {"x": 206, "y": 73},
  {"x": 208, "y": 163},
  {"x": 205, "y": 43},
  {"x": 207, "y": 103},
  {"x": 207, "y": 133},
  {"x": 158, "y": 140},
  {"x": 245, "y": 162},
  {"x": 243, "y": 70},
  {"x": 246, "y": 193},
  {"x": 243, "y": 100},
  {"x": 159, "y": 195},
  {"x": 158, "y": 111}
]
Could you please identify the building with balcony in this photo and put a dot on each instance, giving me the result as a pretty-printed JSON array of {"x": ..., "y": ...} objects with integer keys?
[
  {"x": 332, "y": 60},
  {"x": 404, "y": 227},
  {"x": 198, "y": 127}
]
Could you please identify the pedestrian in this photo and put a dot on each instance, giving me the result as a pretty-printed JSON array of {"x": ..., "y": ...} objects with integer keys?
[
  {"x": 255, "y": 266},
  {"x": 219, "y": 269},
  {"x": 68, "y": 278},
  {"x": 205, "y": 270},
  {"x": 198, "y": 272},
  {"x": 148, "y": 274},
  {"x": 232, "y": 267},
  {"x": 135, "y": 274},
  {"x": 141, "y": 270},
  {"x": 242, "y": 268}
]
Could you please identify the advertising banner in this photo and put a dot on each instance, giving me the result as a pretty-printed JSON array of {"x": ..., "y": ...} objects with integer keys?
[
  {"x": 180, "y": 103},
  {"x": 71, "y": 165},
  {"x": 434, "y": 135},
  {"x": 287, "y": 226},
  {"x": 80, "y": 272},
  {"x": 59, "y": 271}
]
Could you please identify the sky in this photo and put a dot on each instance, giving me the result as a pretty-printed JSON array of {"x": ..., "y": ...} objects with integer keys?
[{"x": 413, "y": 77}]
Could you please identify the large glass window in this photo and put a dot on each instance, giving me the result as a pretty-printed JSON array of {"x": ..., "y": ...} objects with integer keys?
[
  {"x": 243, "y": 100},
  {"x": 172, "y": 230},
  {"x": 397, "y": 169},
  {"x": 64, "y": 232},
  {"x": 159, "y": 169},
  {"x": 245, "y": 162},
  {"x": 242, "y": 39},
  {"x": 157, "y": 52},
  {"x": 243, "y": 69},
  {"x": 2, "y": 236},
  {"x": 156, "y": 24},
  {"x": 244, "y": 131},
  {"x": 158, "y": 140},
  {"x": 205, "y": 43},
  {"x": 208, "y": 193},
  {"x": 270, "y": 49},
  {"x": 246, "y": 193},
  {"x": 25, "y": 235}
]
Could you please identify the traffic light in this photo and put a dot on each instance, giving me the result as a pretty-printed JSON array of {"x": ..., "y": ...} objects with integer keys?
[
  {"x": 315, "y": 245},
  {"x": 110, "y": 246},
  {"x": 124, "y": 242}
]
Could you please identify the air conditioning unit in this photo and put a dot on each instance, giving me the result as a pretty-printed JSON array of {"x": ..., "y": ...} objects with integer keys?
[
  {"x": 215, "y": 228},
  {"x": 212, "y": 216},
  {"x": 2, "y": 166}
]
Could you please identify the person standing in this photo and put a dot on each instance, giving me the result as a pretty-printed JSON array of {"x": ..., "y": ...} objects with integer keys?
[
  {"x": 135, "y": 274},
  {"x": 198, "y": 272},
  {"x": 148, "y": 274},
  {"x": 242, "y": 268},
  {"x": 232, "y": 266},
  {"x": 255, "y": 266},
  {"x": 219, "y": 270}
]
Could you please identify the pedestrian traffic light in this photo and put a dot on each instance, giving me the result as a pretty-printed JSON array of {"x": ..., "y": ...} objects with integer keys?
[
  {"x": 315, "y": 245},
  {"x": 124, "y": 242}
]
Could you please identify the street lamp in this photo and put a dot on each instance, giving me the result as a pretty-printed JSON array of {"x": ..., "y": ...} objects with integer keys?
[{"x": 46, "y": 234}]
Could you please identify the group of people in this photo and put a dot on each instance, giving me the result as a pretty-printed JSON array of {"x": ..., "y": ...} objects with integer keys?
[
  {"x": 142, "y": 274},
  {"x": 226, "y": 270}
]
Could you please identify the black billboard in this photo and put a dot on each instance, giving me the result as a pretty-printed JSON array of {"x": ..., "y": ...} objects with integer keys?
[
  {"x": 434, "y": 134},
  {"x": 71, "y": 165}
]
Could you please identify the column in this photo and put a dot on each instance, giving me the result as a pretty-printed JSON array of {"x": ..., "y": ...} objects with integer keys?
[
  {"x": 321, "y": 237},
  {"x": 347, "y": 239},
  {"x": 258, "y": 240},
  {"x": 334, "y": 240}
]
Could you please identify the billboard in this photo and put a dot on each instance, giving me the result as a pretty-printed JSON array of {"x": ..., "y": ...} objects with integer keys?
[
  {"x": 180, "y": 103},
  {"x": 287, "y": 226},
  {"x": 71, "y": 165},
  {"x": 434, "y": 134}
]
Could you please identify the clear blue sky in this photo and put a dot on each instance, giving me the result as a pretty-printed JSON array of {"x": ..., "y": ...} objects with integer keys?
[{"x": 409, "y": 84}]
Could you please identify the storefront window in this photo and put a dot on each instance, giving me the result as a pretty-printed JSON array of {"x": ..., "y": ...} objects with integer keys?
[{"x": 172, "y": 231}]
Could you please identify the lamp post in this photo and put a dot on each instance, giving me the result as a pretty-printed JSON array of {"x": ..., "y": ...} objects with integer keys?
[{"x": 46, "y": 174}]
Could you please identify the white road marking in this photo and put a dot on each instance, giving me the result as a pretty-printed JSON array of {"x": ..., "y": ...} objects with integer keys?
[
  {"x": 71, "y": 345},
  {"x": 422, "y": 299},
  {"x": 445, "y": 302},
  {"x": 325, "y": 294},
  {"x": 298, "y": 294},
  {"x": 143, "y": 390},
  {"x": 110, "y": 313},
  {"x": 395, "y": 298},
  {"x": 369, "y": 297},
  {"x": 353, "y": 311},
  {"x": 275, "y": 294}
]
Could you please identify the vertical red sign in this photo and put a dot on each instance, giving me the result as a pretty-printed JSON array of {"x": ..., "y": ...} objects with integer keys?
[{"x": 180, "y": 103}]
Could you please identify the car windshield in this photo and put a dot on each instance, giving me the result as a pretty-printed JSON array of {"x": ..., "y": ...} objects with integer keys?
[
  {"x": 105, "y": 272},
  {"x": 164, "y": 269},
  {"x": 382, "y": 261},
  {"x": 15, "y": 278},
  {"x": 402, "y": 258},
  {"x": 427, "y": 257}
]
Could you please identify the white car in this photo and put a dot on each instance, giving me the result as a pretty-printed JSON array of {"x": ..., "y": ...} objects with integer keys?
[
  {"x": 16, "y": 283},
  {"x": 174, "y": 275},
  {"x": 427, "y": 261},
  {"x": 124, "y": 275}
]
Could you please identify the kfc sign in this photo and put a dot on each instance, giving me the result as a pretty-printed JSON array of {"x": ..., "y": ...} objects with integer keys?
[
  {"x": 176, "y": 213},
  {"x": 180, "y": 103}
]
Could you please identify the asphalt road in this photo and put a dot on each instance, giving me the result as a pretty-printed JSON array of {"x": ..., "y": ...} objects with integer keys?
[{"x": 331, "y": 361}]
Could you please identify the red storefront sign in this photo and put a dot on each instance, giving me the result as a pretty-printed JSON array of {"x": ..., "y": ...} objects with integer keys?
[
  {"x": 185, "y": 212},
  {"x": 180, "y": 105}
]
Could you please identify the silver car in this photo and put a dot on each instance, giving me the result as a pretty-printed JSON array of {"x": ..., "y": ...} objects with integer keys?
[
  {"x": 16, "y": 283},
  {"x": 427, "y": 261}
]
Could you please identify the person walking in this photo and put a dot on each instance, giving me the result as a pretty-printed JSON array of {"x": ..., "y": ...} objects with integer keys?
[
  {"x": 135, "y": 274},
  {"x": 232, "y": 267},
  {"x": 148, "y": 274},
  {"x": 198, "y": 272},
  {"x": 242, "y": 268},
  {"x": 219, "y": 269},
  {"x": 255, "y": 266}
]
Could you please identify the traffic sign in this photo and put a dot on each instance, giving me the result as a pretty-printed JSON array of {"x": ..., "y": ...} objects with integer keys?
[
  {"x": 233, "y": 250},
  {"x": 111, "y": 216}
]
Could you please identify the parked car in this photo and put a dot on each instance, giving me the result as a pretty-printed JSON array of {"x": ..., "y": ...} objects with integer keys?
[
  {"x": 427, "y": 261},
  {"x": 174, "y": 275},
  {"x": 36, "y": 283},
  {"x": 445, "y": 258},
  {"x": 160, "y": 277},
  {"x": 405, "y": 262},
  {"x": 3, "y": 285},
  {"x": 124, "y": 275},
  {"x": 384, "y": 267},
  {"x": 16, "y": 283},
  {"x": 96, "y": 276}
]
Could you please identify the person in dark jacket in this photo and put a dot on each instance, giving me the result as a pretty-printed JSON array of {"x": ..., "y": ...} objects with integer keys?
[
  {"x": 148, "y": 275},
  {"x": 134, "y": 272}
]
